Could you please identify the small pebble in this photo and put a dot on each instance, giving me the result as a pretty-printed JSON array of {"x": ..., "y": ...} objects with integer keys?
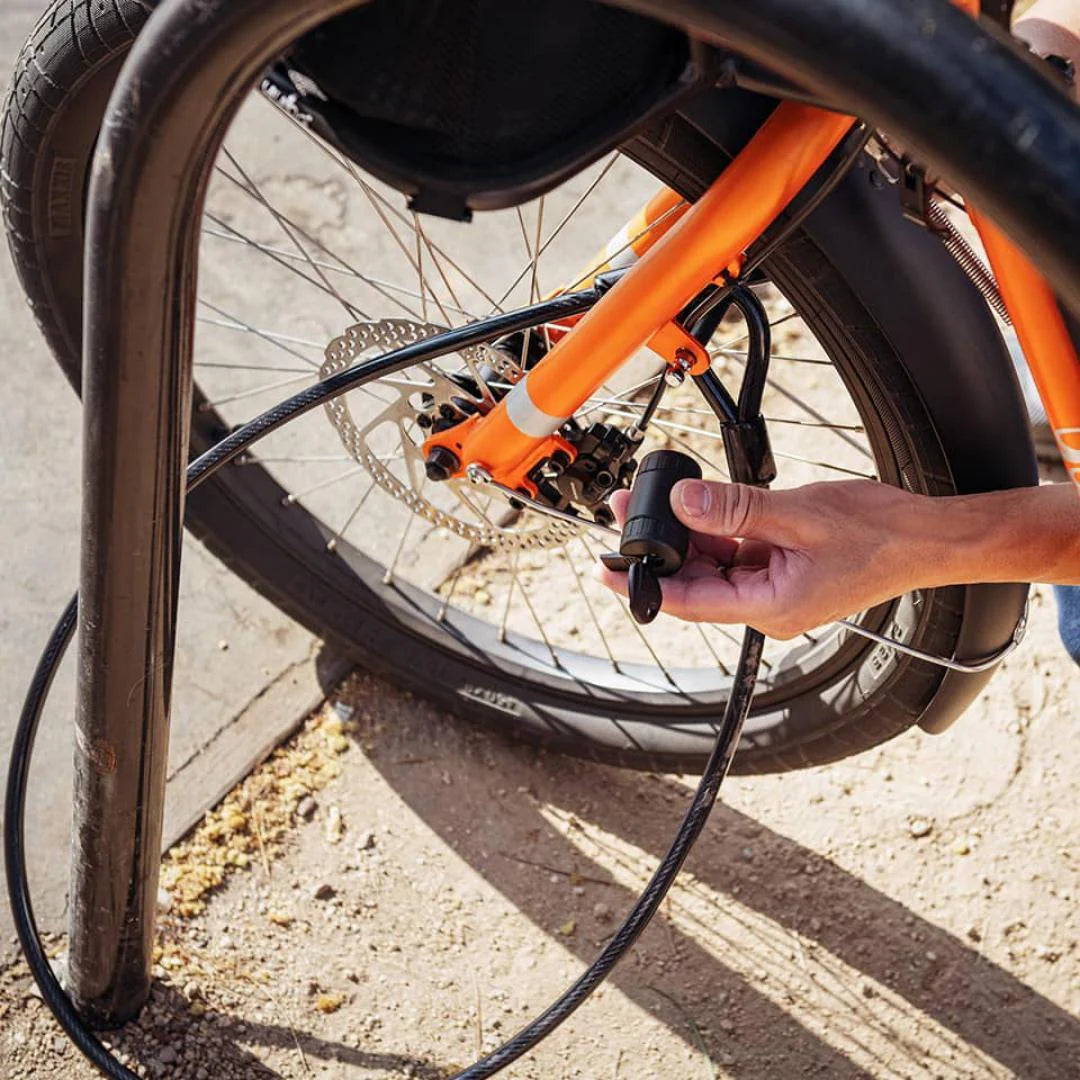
[
  {"x": 324, "y": 892},
  {"x": 306, "y": 808},
  {"x": 334, "y": 825},
  {"x": 601, "y": 911},
  {"x": 920, "y": 827}
]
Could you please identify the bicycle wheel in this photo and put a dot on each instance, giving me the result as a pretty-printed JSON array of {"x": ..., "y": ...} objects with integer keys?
[{"x": 474, "y": 604}]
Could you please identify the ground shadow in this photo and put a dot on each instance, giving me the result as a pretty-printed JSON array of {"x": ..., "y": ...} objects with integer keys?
[
  {"x": 689, "y": 988},
  {"x": 223, "y": 1041}
]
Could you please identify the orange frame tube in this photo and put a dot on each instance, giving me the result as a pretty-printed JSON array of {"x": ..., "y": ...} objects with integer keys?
[
  {"x": 709, "y": 237},
  {"x": 1047, "y": 344}
]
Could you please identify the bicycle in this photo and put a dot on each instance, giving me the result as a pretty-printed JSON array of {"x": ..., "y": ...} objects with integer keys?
[{"x": 808, "y": 187}]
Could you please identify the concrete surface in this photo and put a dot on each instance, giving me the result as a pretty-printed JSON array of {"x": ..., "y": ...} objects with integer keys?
[{"x": 245, "y": 673}]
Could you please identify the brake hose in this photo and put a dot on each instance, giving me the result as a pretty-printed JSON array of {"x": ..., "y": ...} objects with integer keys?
[{"x": 735, "y": 712}]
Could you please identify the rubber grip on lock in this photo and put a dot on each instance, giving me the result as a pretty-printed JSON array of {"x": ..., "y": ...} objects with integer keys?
[{"x": 652, "y": 532}]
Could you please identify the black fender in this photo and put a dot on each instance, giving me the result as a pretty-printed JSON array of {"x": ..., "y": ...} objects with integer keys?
[
  {"x": 950, "y": 346},
  {"x": 938, "y": 322}
]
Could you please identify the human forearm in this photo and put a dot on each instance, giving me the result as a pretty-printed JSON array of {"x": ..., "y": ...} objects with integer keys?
[
  {"x": 1027, "y": 534},
  {"x": 1052, "y": 27}
]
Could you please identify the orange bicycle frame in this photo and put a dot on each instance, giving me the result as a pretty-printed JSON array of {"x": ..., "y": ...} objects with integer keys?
[
  {"x": 708, "y": 240},
  {"x": 673, "y": 251}
]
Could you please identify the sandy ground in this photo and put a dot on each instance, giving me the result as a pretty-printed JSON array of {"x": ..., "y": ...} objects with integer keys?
[{"x": 909, "y": 913}]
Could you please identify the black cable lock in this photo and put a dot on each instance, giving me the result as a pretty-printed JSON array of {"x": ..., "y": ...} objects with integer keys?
[
  {"x": 654, "y": 542},
  {"x": 727, "y": 739}
]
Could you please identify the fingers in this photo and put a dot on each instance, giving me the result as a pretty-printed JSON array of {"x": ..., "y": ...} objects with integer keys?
[
  {"x": 618, "y": 504},
  {"x": 698, "y": 596},
  {"x": 719, "y": 509}
]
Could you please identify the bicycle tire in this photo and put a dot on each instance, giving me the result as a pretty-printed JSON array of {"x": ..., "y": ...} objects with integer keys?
[{"x": 58, "y": 95}]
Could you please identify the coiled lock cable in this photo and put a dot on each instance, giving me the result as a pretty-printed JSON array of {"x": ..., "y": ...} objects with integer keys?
[{"x": 689, "y": 830}]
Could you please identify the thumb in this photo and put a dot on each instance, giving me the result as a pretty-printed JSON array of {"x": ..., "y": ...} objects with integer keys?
[{"x": 735, "y": 510}]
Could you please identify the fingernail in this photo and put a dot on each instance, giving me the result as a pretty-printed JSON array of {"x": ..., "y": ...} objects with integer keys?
[{"x": 694, "y": 497}]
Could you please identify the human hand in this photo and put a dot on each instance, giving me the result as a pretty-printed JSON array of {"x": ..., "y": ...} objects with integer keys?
[{"x": 787, "y": 561}]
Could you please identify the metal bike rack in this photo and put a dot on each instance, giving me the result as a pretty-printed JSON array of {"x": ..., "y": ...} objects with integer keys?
[
  {"x": 178, "y": 90},
  {"x": 176, "y": 94}
]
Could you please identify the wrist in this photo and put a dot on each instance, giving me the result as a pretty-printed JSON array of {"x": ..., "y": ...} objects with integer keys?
[{"x": 1025, "y": 534}]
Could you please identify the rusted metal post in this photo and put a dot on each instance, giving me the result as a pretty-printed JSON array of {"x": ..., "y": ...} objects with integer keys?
[{"x": 187, "y": 73}]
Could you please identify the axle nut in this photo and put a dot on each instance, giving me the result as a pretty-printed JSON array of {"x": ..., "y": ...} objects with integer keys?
[{"x": 441, "y": 464}]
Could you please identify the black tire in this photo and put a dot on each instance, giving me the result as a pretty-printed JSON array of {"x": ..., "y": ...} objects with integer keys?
[{"x": 860, "y": 698}]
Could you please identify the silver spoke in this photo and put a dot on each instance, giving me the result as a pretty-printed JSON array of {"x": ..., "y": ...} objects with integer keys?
[
  {"x": 532, "y": 611},
  {"x": 221, "y": 223},
  {"x": 388, "y": 577},
  {"x": 589, "y": 606},
  {"x": 332, "y": 543},
  {"x": 562, "y": 224},
  {"x": 252, "y": 459},
  {"x": 534, "y": 252},
  {"x": 372, "y": 194},
  {"x": 455, "y": 577},
  {"x": 287, "y": 227},
  {"x": 726, "y": 345},
  {"x": 380, "y": 285},
  {"x": 774, "y": 356},
  {"x": 629, "y": 244},
  {"x": 715, "y": 655},
  {"x": 229, "y": 323},
  {"x": 294, "y": 496},
  {"x": 265, "y": 388},
  {"x": 249, "y": 367},
  {"x": 633, "y": 622},
  {"x": 824, "y": 465},
  {"x": 811, "y": 411},
  {"x": 277, "y": 342},
  {"x": 596, "y": 402}
]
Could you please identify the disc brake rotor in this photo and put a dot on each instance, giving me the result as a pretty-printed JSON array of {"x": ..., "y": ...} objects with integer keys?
[{"x": 429, "y": 384}]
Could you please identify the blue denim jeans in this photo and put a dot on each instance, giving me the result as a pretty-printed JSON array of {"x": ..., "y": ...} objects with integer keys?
[{"x": 1068, "y": 605}]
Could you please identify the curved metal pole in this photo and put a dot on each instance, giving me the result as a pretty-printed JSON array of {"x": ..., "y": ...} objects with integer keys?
[
  {"x": 964, "y": 95},
  {"x": 183, "y": 81}
]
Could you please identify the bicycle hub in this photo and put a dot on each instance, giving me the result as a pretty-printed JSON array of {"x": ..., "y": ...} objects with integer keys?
[{"x": 654, "y": 541}]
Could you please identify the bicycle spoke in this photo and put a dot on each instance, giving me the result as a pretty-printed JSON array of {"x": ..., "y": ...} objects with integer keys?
[
  {"x": 388, "y": 576},
  {"x": 248, "y": 367},
  {"x": 269, "y": 335},
  {"x": 633, "y": 622},
  {"x": 332, "y": 543},
  {"x": 454, "y": 578},
  {"x": 774, "y": 356},
  {"x": 590, "y": 608},
  {"x": 221, "y": 223},
  {"x": 381, "y": 286},
  {"x": 372, "y": 194},
  {"x": 265, "y": 388},
  {"x": 678, "y": 207},
  {"x": 270, "y": 339},
  {"x": 824, "y": 465},
  {"x": 287, "y": 227},
  {"x": 562, "y": 224},
  {"x": 534, "y": 252},
  {"x": 253, "y": 459},
  {"x": 691, "y": 411},
  {"x": 715, "y": 655},
  {"x": 811, "y": 411},
  {"x": 294, "y": 496}
]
